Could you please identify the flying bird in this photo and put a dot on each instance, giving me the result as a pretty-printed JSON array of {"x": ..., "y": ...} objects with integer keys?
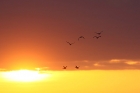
[
  {"x": 99, "y": 33},
  {"x": 70, "y": 43},
  {"x": 64, "y": 67},
  {"x": 77, "y": 67},
  {"x": 81, "y": 37},
  {"x": 96, "y": 37}
]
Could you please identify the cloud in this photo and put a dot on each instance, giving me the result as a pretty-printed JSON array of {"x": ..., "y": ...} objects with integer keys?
[
  {"x": 132, "y": 62},
  {"x": 125, "y": 61},
  {"x": 121, "y": 64},
  {"x": 114, "y": 61},
  {"x": 98, "y": 65},
  {"x": 112, "y": 64}
]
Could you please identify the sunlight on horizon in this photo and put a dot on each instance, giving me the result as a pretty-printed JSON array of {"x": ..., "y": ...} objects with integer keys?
[
  {"x": 24, "y": 75},
  {"x": 79, "y": 81}
]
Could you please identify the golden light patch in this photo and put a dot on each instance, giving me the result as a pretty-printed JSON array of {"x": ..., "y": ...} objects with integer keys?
[
  {"x": 114, "y": 61},
  {"x": 24, "y": 75},
  {"x": 131, "y": 62},
  {"x": 96, "y": 64}
]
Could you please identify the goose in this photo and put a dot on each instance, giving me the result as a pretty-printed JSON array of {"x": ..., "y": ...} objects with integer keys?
[
  {"x": 77, "y": 67},
  {"x": 99, "y": 33},
  {"x": 64, "y": 67},
  {"x": 97, "y": 37},
  {"x": 70, "y": 43},
  {"x": 81, "y": 37}
]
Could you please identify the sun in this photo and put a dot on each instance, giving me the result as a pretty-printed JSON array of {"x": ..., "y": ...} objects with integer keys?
[{"x": 25, "y": 75}]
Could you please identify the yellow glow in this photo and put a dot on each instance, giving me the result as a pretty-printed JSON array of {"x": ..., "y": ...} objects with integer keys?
[
  {"x": 131, "y": 62},
  {"x": 79, "y": 81},
  {"x": 96, "y": 64},
  {"x": 115, "y": 61},
  {"x": 24, "y": 75}
]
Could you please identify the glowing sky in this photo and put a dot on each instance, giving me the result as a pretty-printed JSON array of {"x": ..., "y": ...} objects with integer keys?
[
  {"x": 33, "y": 33},
  {"x": 79, "y": 82}
]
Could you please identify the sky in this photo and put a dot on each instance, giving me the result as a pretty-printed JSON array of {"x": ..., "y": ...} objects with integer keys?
[
  {"x": 34, "y": 36},
  {"x": 33, "y": 33}
]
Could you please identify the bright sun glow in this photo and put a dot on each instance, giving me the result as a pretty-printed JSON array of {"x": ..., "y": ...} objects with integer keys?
[{"x": 24, "y": 75}]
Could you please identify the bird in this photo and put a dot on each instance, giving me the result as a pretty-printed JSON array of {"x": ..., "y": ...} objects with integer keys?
[
  {"x": 97, "y": 37},
  {"x": 77, "y": 67},
  {"x": 64, "y": 67},
  {"x": 81, "y": 37},
  {"x": 99, "y": 33},
  {"x": 70, "y": 43}
]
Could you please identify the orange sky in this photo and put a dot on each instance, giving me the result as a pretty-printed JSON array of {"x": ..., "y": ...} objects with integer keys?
[{"x": 34, "y": 34}]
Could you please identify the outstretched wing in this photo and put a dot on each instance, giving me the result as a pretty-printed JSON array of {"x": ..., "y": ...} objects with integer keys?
[{"x": 83, "y": 37}]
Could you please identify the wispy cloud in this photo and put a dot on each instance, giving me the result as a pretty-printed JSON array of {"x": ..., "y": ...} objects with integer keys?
[
  {"x": 118, "y": 64},
  {"x": 112, "y": 64}
]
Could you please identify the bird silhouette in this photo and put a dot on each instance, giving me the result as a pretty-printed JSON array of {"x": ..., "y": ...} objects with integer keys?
[
  {"x": 64, "y": 67},
  {"x": 70, "y": 43},
  {"x": 77, "y": 67},
  {"x": 96, "y": 37},
  {"x": 99, "y": 33},
  {"x": 81, "y": 37}
]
